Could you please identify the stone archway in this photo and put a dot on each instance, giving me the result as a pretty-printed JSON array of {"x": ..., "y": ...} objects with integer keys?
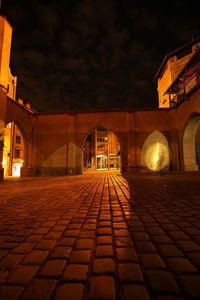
[
  {"x": 13, "y": 150},
  {"x": 191, "y": 144},
  {"x": 155, "y": 152},
  {"x": 101, "y": 150}
]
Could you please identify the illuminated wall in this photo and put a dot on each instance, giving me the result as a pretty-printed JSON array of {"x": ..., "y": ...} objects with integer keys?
[
  {"x": 171, "y": 69},
  {"x": 5, "y": 47},
  {"x": 155, "y": 152}
]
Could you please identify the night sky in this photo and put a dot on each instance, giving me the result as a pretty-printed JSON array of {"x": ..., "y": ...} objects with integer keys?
[{"x": 94, "y": 54}]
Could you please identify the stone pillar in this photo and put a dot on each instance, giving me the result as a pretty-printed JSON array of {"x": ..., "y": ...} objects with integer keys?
[
  {"x": 1, "y": 160},
  {"x": 174, "y": 148},
  {"x": 5, "y": 48},
  {"x": 124, "y": 152}
]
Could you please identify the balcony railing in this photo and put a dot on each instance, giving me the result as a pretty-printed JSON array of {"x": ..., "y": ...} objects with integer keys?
[{"x": 188, "y": 86}]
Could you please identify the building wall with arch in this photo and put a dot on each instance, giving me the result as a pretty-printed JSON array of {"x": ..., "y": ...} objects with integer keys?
[
  {"x": 60, "y": 137},
  {"x": 25, "y": 121},
  {"x": 54, "y": 141}
]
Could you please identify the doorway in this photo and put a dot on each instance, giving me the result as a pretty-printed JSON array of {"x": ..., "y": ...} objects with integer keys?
[{"x": 101, "y": 150}]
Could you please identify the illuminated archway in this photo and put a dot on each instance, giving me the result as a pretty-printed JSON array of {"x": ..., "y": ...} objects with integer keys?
[
  {"x": 191, "y": 144},
  {"x": 101, "y": 150},
  {"x": 155, "y": 152},
  {"x": 13, "y": 151}
]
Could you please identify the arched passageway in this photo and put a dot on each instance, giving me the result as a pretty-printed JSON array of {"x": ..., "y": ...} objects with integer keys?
[
  {"x": 101, "y": 150},
  {"x": 155, "y": 152},
  {"x": 191, "y": 144},
  {"x": 13, "y": 150}
]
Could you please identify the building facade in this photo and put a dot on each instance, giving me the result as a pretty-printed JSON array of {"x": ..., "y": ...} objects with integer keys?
[{"x": 162, "y": 139}]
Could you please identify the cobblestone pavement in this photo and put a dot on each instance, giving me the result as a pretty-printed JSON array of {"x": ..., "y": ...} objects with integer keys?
[{"x": 100, "y": 236}]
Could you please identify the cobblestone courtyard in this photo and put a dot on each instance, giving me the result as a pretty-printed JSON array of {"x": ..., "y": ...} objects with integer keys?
[{"x": 100, "y": 236}]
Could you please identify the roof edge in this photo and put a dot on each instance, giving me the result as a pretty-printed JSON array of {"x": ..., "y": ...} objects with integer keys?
[{"x": 172, "y": 53}]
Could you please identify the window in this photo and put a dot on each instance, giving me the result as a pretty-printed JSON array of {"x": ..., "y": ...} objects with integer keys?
[
  {"x": 18, "y": 139},
  {"x": 17, "y": 153}
]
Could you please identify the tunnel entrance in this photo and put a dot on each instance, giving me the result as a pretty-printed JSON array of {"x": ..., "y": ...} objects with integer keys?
[{"x": 101, "y": 150}]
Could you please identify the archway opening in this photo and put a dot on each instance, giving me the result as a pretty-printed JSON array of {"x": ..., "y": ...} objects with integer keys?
[
  {"x": 101, "y": 150},
  {"x": 191, "y": 144},
  {"x": 13, "y": 151}
]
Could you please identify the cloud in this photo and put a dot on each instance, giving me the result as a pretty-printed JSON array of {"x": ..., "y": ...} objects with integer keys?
[{"x": 94, "y": 54}]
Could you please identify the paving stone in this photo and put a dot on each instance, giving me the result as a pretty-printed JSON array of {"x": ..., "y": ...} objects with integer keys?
[
  {"x": 104, "y": 240},
  {"x": 76, "y": 272},
  {"x": 53, "y": 235},
  {"x": 120, "y": 225},
  {"x": 8, "y": 246},
  {"x": 3, "y": 275},
  {"x": 71, "y": 233},
  {"x": 195, "y": 257},
  {"x": 180, "y": 265},
  {"x": 16, "y": 239},
  {"x": 170, "y": 298},
  {"x": 162, "y": 239},
  {"x": 74, "y": 226},
  {"x": 178, "y": 235},
  {"x": 133, "y": 291},
  {"x": 39, "y": 290},
  {"x": 145, "y": 247},
  {"x": 121, "y": 232},
  {"x": 104, "y": 231},
  {"x": 36, "y": 257},
  {"x": 80, "y": 256},
  {"x": 90, "y": 220},
  {"x": 85, "y": 244},
  {"x": 101, "y": 287},
  {"x": 63, "y": 215},
  {"x": 170, "y": 251},
  {"x": 103, "y": 265},
  {"x": 60, "y": 228},
  {"x": 67, "y": 242},
  {"x": 89, "y": 226},
  {"x": 104, "y": 224},
  {"x": 73, "y": 291},
  {"x": 34, "y": 238},
  {"x": 3, "y": 253},
  {"x": 126, "y": 254},
  {"x": 140, "y": 236},
  {"x": 23, "y": 248},
  {"x": 123, "y": 242},
  {"x": 162, "y": 281},
  {"x": 104, "y": 251},
  {"x": 45, "y": 245},
  {"x": 61, "y": 252},
  {"x": 24, "y": 232},
  {"x": 130, "y": 272},
  {"x": 191, "y": 284},
  {"x": 152, "y": 261},
  {"x": 88, "y": 234},
  {"x": 10, "y": 292},
  {"x": 53, "y": 268},
  {"x": 41, "y": 230},
  {"x": 22, "y": 275},
  {"x": 103, "y": 217},
  {"x": 10, "y": 261},
  {"x": 155, "y": 231},
  {"x": 189, "y": 246}
]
